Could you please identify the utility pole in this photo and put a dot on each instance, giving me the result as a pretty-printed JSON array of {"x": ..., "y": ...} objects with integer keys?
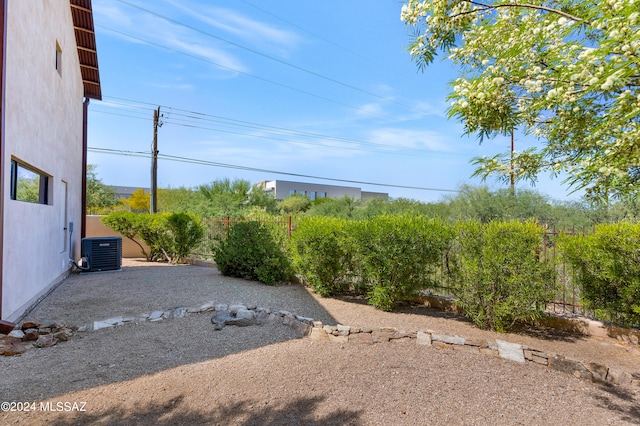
[
  {"x": 153, "y": 206},
  {"x": 513, "y": 189}
]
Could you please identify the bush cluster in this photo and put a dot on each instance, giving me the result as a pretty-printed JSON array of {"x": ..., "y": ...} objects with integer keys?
[
  {"x": 398, "y": 256},
  {"x": 497, "y": 276},
  {"x": 169, "y": 236},
  {"x": 386, "y": 258},
  {"x": 606, "y": 266},
  {"x": 253, "y": 251},
  {"x": 323, "y": 254}
]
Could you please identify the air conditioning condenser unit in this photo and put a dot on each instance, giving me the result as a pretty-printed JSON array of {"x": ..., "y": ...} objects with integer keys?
[{"x": 101, "y": 253}]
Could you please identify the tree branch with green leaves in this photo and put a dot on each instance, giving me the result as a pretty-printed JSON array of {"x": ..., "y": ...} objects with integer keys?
[{"x": 564, "y": 72}]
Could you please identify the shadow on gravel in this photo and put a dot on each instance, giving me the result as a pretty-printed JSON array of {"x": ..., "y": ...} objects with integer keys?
[
  {"x": 129, "y": 351},
  {"x": 547, "y": 333},
  {"x": 536, "y": 331},
  {"x": 620, "y": 401},
  {"x": 258, "y": 413}
]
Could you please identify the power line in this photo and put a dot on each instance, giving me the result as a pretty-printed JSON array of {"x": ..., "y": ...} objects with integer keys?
[
  {"x": 234, "y": 69},
  {"x": 403, "y": 152},
  {"x": 257, "y": 136},
  {"x": 256, "y": 52},
  {"x": 199, "y": 116},
  {"x": 255, "y": 169},
  {"x": 326, "y": 40}
]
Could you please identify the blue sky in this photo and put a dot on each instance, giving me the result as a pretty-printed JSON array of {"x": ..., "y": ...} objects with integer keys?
[{"x": 319, "y": 89}]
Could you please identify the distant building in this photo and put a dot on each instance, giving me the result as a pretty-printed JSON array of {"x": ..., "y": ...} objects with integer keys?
[
  {"x": 283, "y": 188},
  {"x": 126, "y": 191}
]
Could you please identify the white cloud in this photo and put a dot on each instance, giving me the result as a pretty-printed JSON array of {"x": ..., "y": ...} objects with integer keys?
[
  {"x": 243, "y": 27},
  {"x": 370, "y": 110},
  {"x": 413, "y": 139},
  {"x": 136, "y": 23}
]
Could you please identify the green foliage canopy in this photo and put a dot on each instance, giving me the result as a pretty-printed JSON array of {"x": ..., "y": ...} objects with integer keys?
[
  {"x": 566, "y": 72},
  {"x": 498, "y": 278},
  {"x": 99, "y": 196},
  {"x": 252, "y": 251},
  {"x": 606, "y": 266}
]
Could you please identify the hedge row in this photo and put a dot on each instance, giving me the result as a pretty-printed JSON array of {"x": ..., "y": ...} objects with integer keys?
[
  {"x": 497, "y": 276},
  {"x": 606, "y": 264}
]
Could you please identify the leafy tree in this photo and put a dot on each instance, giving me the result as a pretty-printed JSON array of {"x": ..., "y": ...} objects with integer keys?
[
  {"x": 127, "y": 224},
  {"x": 226, "y": 197},
  {"x": 99, "y": 196},
  {"x": 28, "y": 190},
  {"x": 169, "y": 236},
  {"x": 339, "y": 208},
  {"x": 258, "y": 198},
  {"x": 187, "y": 230},
  {"x": 175, "y": 199},
  {"x": 294, "y": 204},
  {"x": 139, "y": 201},
  {"x": 566, "y": 72}
]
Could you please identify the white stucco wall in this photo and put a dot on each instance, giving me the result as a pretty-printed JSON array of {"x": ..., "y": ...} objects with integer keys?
[{"x": 43, "y": 128}]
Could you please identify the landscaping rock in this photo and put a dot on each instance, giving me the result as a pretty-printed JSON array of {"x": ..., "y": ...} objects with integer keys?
[
  {"x": 569, "y": 366},
  {"x": 423, "y": 339},
  {"x": 510, "y": 351},
  {"x": 452, "y": 340}
]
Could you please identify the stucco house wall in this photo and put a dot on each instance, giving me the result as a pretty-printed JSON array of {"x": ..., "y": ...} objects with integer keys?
[
  {"x": 43, "y": 128},
  {"x": 95, "y": 228}
]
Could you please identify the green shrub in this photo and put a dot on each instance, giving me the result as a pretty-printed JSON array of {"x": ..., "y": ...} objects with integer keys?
[
  {"x": 498, "y": 278},
  {"x": 126, "y": 223},
  {"x": 187, "y": 231},
  {"x": 398, "y": 255},
  {"x": 322, "y": 255},
  {"x": 252, "y": 252},
  {"x": 169, "y": 236},
  {"x": 154, "y": 231},
  {"x": 606, "y": 267}
]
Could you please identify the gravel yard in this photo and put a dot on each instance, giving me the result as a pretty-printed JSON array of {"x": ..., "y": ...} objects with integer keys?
[{"x": 182, "y": 371}]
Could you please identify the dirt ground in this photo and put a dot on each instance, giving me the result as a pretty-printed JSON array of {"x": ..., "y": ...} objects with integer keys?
[{"x": 182, "y": 371}]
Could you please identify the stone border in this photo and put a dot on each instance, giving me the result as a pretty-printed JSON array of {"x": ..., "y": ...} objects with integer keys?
[
  {"x": 591, "y": 371},
  {"x": 316, "y": 331},
  {"x": 579, "y": 325}
]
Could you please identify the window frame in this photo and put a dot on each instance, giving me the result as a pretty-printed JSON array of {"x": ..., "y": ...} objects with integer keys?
[
  {"x": 44, "y": 183},
  {"x": 58, "y": 58}
]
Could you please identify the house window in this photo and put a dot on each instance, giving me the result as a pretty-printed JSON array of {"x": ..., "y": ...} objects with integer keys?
[
  {"x": 312, "y": 195},
  {"x": 58, "y": 58},
  {"x": 28, "y": 184},
  {"x": 292, "y": 192}
]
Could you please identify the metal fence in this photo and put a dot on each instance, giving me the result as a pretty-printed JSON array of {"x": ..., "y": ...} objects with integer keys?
[
  {"x": 568, "y": 299},
  {"x": 217, "y": 230}
]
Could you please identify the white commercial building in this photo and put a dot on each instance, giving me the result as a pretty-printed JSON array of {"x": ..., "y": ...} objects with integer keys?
[{"x": 283, "y": 188}]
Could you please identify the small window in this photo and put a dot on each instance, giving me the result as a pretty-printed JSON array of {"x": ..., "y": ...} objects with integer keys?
[
  {"x": 312, "y": 195},
  {"x": 28, "y": 184},
  {"x": 292, "y": 192},
  {"x": 58, "y": 58}
]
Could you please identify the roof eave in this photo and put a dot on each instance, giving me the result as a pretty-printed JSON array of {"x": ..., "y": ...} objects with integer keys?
[{"x": 82, "y": 14}]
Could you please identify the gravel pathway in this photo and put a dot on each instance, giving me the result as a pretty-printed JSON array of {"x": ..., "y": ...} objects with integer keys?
[{"x": 181, "y": 371}]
